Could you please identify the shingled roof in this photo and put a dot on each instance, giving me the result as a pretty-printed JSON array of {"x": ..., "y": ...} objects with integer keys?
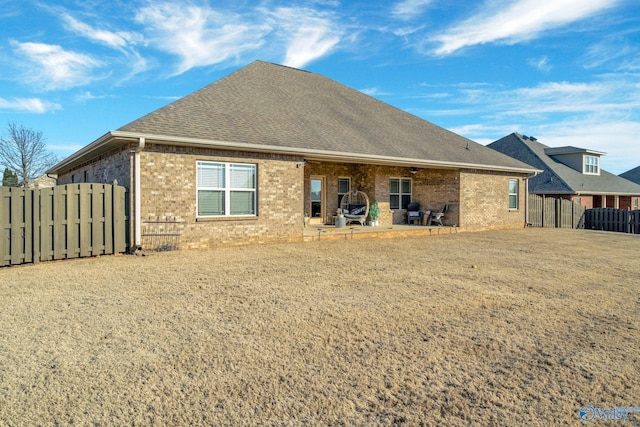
[
  {"x": 273, "y": 108},
  {"x": 632, "y": 175},
  {"x": 558, "y": 178}
]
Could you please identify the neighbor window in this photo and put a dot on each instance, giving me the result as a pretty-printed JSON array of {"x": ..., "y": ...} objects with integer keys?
[
  {"x": 635, "y": 203},
  {"x": 513, "y": 194},
  {"x": 399, "y": 193},
  {"x": 344, "y": 186},
  {"x": 225, "y": 189},
  {"x": 591, "y": 165}
]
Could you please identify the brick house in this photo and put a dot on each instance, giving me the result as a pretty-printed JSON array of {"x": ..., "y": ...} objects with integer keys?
[
  {"x": 570, "y": 173},
  {"x": 242, "y": 160}
]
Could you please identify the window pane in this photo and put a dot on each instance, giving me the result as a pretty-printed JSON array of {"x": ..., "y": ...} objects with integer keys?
[
  {"x": 406, "y": 186},
  {"x": 343, "y": 185},
  {"x": 210, "y": 175},
  {"x": 210, "y": 203},
  {"x": 394, "y": 201},
  {"x": 513, "y": 186},
  {"x": 242, "y": 176},
  {"x": 406, "y": 199},
  {"x": 242, "y": 203},
  {"x": 513, "y": 202},
  {"x": 394, "y": 186}
]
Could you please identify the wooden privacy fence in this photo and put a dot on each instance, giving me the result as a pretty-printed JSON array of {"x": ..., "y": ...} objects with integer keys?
[
  {"x": 555, "y": 213},
  {"x": 610, "y": 219},
  {"x": 66, "y": 221}
]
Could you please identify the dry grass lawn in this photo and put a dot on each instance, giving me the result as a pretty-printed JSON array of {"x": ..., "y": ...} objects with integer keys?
[{"x": 383, "y": 332}]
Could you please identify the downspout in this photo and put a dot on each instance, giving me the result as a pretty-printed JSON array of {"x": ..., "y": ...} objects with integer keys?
[
  {"x": 526, "y": 197},
  {"x": 137, "y": 197}
]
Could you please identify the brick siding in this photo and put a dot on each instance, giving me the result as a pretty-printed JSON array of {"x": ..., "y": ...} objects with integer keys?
[
  {"x": 485, "y": 201},
  {"x": 476, "y": 200}
]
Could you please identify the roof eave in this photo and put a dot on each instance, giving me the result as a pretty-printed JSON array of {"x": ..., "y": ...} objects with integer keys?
[
  {"x": 87, "y": 151},
  {"x": 98, "y": 145}
]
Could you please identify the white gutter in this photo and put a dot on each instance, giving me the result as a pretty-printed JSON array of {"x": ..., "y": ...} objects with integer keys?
[
  {"x": 316, "y": 154},
  {"x": 137, "y": 194}
]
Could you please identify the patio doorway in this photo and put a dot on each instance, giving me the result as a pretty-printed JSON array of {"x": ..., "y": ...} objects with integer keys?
[{"x": 316, "y": 216}]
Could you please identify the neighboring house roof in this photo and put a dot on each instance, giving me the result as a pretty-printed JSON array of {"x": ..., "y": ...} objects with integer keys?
[
  {"x": 272, "y": 108},
  {"x": 43, "y": 181},
  {"x": 557, "y": 177},
  {"x": 632, "y": 175}
]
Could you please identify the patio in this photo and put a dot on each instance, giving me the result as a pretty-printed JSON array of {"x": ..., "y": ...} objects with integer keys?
[{"x": 330, "y": 232}]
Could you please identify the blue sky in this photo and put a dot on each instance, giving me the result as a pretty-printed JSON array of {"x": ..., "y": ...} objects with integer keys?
[{"x": 564, "y": 71}]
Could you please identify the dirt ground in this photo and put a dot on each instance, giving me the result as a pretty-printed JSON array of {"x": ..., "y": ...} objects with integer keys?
[{"x": 494, "y": 328}]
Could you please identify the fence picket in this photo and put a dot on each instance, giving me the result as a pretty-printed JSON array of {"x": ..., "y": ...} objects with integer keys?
[
  {"x": 120, "y": 222},
  {"x": 46, "y": 224},
  {"x": 17, "y": 242},
  {"x": 5, "y": 231},
  {"x": 84, "y": 223}
]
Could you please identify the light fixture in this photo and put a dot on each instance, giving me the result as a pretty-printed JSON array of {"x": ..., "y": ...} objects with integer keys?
[{"x": 414, "y": 171}]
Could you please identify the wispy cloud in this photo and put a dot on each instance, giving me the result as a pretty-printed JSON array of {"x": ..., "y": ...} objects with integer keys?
[
  {"x": 613, "y": 50},
  {"x": 28, "y": 105},
  {"x": 374, "y": 91},
  {"x": 308, "y": 34},
  {"x": 541, "y": 64},
  {"x": 51, "y": 67},
  {"x": 510, "y": 22},
  {"x": 123, "y": 41},
  {"x": 117, "y": 40},
  {"x": 409, "y": 9},
  {"x": 199, "y": 35},
  {"x": 600, "y": 115}
]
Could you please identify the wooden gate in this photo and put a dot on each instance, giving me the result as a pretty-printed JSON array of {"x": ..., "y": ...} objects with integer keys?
[
  {"x": 66, "y": 221},
  {"x": 550, "y": 212}
]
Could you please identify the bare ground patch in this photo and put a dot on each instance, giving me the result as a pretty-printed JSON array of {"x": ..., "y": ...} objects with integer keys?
[{"x": 337, "y": 332}]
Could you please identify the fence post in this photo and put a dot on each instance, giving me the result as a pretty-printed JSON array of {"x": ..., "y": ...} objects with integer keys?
[{"x": 5, "y": 226}]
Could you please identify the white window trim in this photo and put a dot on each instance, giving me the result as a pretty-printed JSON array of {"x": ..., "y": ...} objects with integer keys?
[
  {"x": 400, "y": 194},
  {"x": 227, "y": 190},
  {"x": 586, "y": 166},
  {"x": 517, "y": 194}
]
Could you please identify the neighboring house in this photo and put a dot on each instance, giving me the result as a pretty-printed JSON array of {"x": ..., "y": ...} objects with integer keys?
[
  {"x": 43, "y": 181},
  {"x": 570, "y": 173},
  {"x": 243, "y": 159},
  {"x": 633, "y": 175}
]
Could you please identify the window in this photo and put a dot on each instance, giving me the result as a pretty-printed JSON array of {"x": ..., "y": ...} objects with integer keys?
[
  {"x": 225, "y": 189},
  {"x": 86, "y": 176},
  {"x": 513, "y": 194},
  {"x": 635, "y": 203},
  {"x": 344, "y": 186},
  {"x": 399, "y": 193},
  {"x": 591, "y": 165}
]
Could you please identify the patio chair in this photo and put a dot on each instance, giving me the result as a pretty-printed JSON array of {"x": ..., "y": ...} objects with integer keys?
[
  {"x": 355, "y": 206},
  {"x": 436, "y": 217},
  {"x": 414, "y": 213}
]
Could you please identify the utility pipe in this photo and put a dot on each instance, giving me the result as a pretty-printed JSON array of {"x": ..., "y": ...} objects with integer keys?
[
  {"x": 526, "y": 197},
  {"x": 137, "y": 195}
]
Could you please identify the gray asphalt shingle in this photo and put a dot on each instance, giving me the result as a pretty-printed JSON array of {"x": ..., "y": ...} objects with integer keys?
[{"x": 278, "y": 106}]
